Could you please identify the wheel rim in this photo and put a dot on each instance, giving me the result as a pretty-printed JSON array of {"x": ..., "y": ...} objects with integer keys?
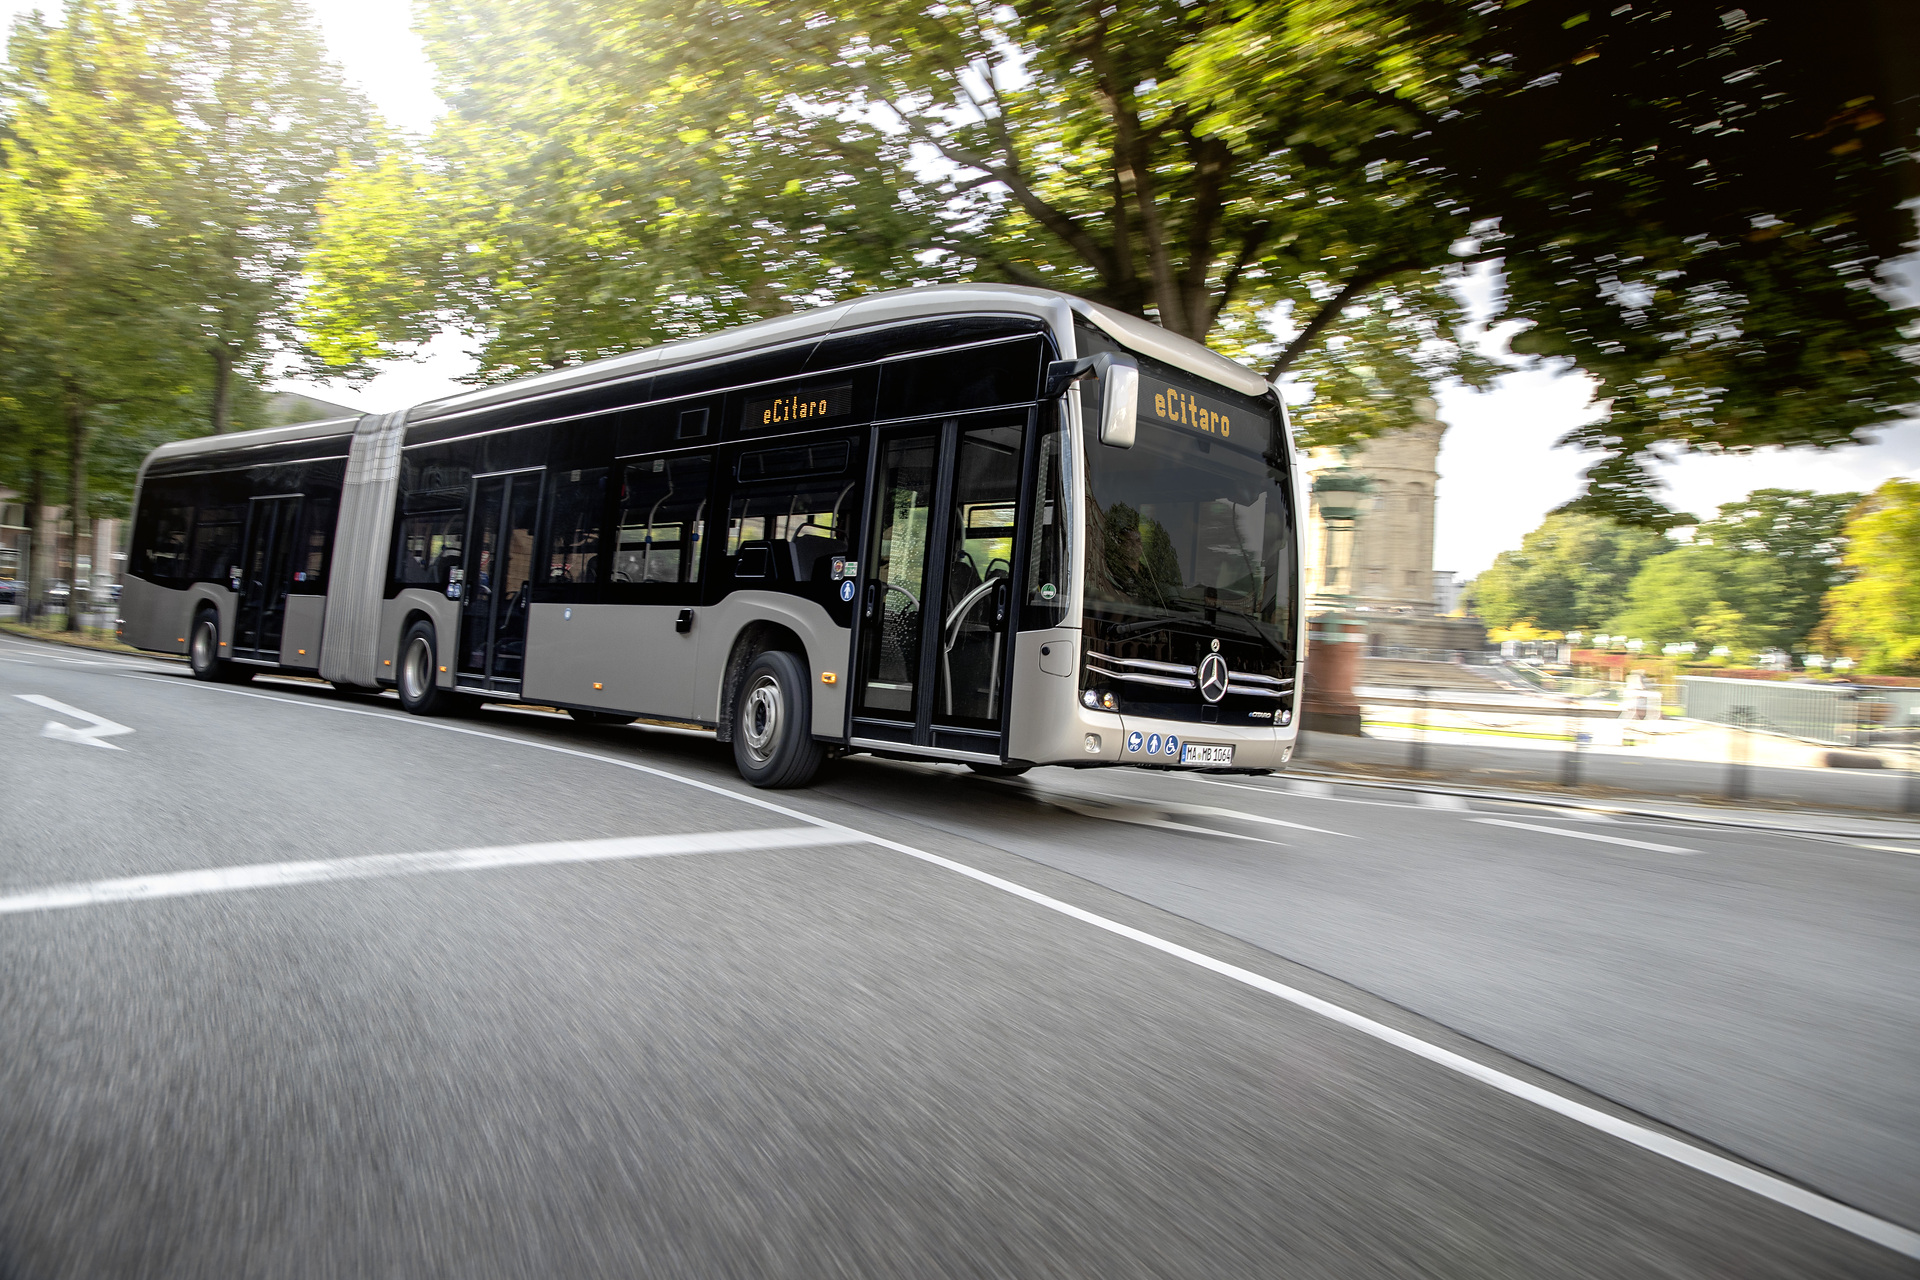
[
  {"x": 761, "y": 714},
  {"x": 203, "y": 645},
  {"x": 416, "y": 672}
]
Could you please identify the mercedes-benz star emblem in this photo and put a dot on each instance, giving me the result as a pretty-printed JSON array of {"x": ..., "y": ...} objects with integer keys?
[{"x": 1213, "y": 677}]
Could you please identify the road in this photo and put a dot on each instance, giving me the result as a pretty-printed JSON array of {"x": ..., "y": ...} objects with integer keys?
[{"x": 297, "y": 985}]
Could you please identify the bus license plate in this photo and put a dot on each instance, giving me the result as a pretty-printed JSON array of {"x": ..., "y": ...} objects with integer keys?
[{"x": 1205, "y": 753}]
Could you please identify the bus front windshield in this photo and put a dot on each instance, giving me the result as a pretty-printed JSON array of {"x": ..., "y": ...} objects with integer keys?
[{"x": 1189, "y": 524}]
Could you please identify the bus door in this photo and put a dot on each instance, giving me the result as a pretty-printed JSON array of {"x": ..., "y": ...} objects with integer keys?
[
  {"x": 265, "y": 574},
  {"x": 497, "y": 580},
  {"x": 938, "y": 572}
]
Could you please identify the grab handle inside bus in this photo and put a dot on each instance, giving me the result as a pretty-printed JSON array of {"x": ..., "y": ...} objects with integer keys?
[{"x": 1119, "y": 377}]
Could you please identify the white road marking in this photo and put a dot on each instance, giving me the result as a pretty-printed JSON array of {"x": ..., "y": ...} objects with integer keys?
[
  {"x": 1585, "y": 835},
  {"x": 280, "y": 875},
  {"x": 102, "y": 727},
  {"x": 1769, "y": 1187},
  {"x": 1441, "y": 800},
  {"x": 1167, "y": 808}
]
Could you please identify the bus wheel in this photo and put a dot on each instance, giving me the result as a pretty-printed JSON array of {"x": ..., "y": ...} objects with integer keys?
[
  {"x": 599, "y": 717},
  {"x": 203, "y": 647},
  {"x": 420, "y": 690},
  {"x": 999, "y": 770},
  {"x": 773, "y": 723}
]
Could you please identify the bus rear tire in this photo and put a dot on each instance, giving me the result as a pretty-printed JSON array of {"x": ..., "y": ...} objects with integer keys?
[
  {"x": 417, "y": 674},
  {"x": 773, "y": 742},
  {"x": 999, "y": 770}
]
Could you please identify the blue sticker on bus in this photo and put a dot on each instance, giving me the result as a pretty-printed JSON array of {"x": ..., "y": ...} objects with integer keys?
[
  {"x": 1173, "y": 745},
  {"x": 1153, "y": 745},
  {"x": 1133, "y": 740},
  {"x": 846, "y": 590}
]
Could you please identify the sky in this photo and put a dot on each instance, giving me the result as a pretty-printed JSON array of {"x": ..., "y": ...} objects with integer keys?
[{"x": 1499, "y": 470}]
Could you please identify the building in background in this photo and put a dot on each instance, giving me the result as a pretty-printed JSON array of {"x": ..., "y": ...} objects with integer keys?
[{"x": 1387, "y": 579}]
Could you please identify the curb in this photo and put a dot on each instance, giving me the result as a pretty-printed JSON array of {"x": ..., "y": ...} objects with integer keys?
[{"x": 1911, "y": 831}]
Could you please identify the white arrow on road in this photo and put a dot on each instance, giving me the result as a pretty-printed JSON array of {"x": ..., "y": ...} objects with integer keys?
[{"x": 102, "y": 727}]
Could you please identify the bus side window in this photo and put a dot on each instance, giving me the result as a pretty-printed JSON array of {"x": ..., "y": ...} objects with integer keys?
[
  {"x": 428, "y": 549},
  {"x": 576, "y": 501},
  {"x": 662, "y": 528},
  {"x": 161, "y": 529}
]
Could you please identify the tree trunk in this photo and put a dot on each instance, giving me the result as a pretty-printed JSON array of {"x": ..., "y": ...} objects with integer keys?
[
  {"x": 43, "y": 533},
  {"x": 77, "y": 430},
  {"x": 222, "y": 387}
]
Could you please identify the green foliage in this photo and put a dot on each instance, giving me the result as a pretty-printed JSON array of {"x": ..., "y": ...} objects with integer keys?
[
  {"x": 262, "y": 117},
  {"x": 159, "y": 165},
  {"x": 1680, "y": 597},
  {"x": 1876, "y": 613},
  {"x": 90, "y": 319},
  {"x": 1754, "y": 577},
  {"x": 1686, "y": 202},
  {"x": 1570, "y": 574}
]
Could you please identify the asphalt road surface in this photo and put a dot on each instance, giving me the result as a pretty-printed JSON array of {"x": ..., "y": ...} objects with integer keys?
[{"x": 292, "y": 984}]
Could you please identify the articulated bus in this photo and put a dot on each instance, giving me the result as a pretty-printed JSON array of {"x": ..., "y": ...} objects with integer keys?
[{"x": 998, "y": 526}]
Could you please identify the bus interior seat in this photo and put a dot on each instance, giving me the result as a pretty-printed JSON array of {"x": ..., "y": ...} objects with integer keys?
[{"x": 813, "y": 556}]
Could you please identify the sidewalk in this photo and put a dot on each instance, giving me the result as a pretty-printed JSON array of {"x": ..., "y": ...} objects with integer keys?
[{"x": 1861, "y": 801}]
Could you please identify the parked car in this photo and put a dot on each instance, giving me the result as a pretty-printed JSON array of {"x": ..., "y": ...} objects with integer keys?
[{"x": 12, "y": 591}]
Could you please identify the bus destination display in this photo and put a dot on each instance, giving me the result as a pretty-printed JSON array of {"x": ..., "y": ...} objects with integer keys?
[
  {"x": 808, "y": 405},
  {"x": 1178, "y": 407}
]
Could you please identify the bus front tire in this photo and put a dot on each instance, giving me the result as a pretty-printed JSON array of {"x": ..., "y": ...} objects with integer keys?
[
  {"x": 417, "y": 674},
  {"x": 203, "y": 649},
  {"x": 773, "y": 742}
]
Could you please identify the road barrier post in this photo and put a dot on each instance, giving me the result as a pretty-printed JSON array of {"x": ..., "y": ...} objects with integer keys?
[
  {"x": 1570, "y": 758},
  {"x": 1741, "y": 720},
  {"x": 1417, "y": 753}
]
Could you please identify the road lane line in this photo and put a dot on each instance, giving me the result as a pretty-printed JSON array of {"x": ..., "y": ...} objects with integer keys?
[
  {"x": 1585, "y": 835},
  {"x": 280, "y": 875},
  {"x": 102, "y": 727},
  {"x": 1779, "y": 1190},
  {"x": 1768, "y": 1186}
]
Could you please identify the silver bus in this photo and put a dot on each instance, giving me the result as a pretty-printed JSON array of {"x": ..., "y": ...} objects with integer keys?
[{"x": 998, "y": 526}]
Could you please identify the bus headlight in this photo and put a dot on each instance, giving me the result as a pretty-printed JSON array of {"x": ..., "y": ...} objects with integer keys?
[{"x": 1100, "y": 699}]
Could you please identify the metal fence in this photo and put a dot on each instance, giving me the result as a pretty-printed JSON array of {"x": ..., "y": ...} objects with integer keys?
[{"x": 1817, "y": 713}]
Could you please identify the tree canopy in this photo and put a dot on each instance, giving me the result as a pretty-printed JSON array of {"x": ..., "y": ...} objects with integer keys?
[
  {"x": 1569, "y": 574},
  {"x": 1688, "y": 204},
  {"x": 1876, "y": 612},
  {"x": 159, "y": 168},
  {"x": 1756, "y": 576}
]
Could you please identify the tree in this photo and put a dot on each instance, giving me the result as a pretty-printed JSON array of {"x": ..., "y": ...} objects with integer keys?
[
  {"x": 1780, "y": 551},
  {"x": 1570, "y": 574},
  {"x": 87, "y": 149},
  {"x": 1688, "y": 204},
  {"x": 1681, "y": 596},
  {"x": 1754, "y": 577},
  {"x": 263, "y": 119},
  {"x": 1876, "y": 612}
]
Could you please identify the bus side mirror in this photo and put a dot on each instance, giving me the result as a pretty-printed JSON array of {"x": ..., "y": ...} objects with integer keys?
[{"x": 1119, "y": 391}]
